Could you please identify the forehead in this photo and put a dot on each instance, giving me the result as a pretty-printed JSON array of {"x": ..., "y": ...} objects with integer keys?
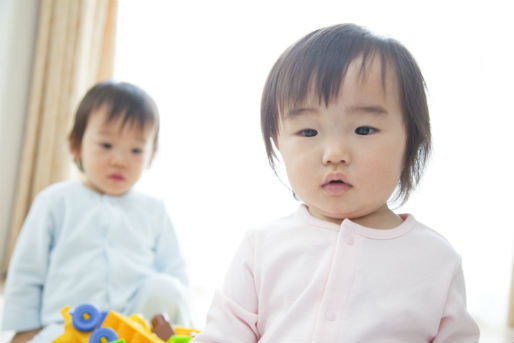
[
  {"x": 102, "y": 122},
  {"x": 370, "y": 81}
]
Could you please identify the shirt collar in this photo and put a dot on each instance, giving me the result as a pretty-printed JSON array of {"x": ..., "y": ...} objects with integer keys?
[{"x": 348, "y": 225}]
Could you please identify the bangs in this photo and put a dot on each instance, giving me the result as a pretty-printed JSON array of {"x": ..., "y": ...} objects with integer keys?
[
  {"x": 317, "y": 65},
  {"x": 132, "y": 108},
  {"x": 129, "y": 115}
]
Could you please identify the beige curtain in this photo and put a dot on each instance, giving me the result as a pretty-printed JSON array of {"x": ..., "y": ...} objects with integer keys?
[
  {"x": 510, "y": 317},
  {"x": 74, "y": 50}
]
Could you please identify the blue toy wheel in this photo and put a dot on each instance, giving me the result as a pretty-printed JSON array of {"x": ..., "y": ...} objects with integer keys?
[
  {"x": 101, "y": 335},
  {"x": 85, "y": 317}
]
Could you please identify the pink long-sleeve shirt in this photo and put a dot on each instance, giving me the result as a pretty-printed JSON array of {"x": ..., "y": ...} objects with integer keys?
[{"x": 301, "y": 279}]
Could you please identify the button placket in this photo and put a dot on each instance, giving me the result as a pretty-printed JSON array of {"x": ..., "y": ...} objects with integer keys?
[
  {"x": 331, "y": 315},
  {"x": 339, "y": 285}
]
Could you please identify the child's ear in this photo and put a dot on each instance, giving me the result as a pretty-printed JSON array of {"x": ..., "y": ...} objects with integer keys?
[{"x": 73, "y": 149}]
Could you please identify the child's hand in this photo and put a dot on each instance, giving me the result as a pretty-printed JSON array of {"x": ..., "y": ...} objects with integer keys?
[{"x": 24, "y": 336}]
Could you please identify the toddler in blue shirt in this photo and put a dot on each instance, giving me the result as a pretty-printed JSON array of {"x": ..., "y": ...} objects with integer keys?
[{"x": 98, "y": 241}]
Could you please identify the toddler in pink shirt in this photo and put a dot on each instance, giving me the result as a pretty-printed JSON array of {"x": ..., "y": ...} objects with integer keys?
[{"x": 347, "y": 112}]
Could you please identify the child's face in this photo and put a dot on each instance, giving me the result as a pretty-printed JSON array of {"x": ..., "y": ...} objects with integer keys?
[
  {"x": 114, "y": 156},
  {"x": 344, "y": 160}
]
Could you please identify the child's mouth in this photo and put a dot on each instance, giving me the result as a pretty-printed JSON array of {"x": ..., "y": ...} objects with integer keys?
[
  {"x": 116, "y": 177},
  {"x": 336, "y": 187}
]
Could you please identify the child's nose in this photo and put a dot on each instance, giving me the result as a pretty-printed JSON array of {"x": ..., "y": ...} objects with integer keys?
[
  {"x": 118, "y": 159},
  {"x": 336, "y": 151}
]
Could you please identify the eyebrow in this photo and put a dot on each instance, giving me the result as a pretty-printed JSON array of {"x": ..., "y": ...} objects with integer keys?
[
  {"x": 141, "y": 139},
  {"x": 373, "y": 109},
  {"x": 299, "y": 111}
]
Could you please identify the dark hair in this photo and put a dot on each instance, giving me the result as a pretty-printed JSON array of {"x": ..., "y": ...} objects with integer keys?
[
  {"x": 318, "y": 63},
  {"x": 122, "y": 100}
]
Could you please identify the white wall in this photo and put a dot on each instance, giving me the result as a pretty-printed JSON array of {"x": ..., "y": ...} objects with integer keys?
[{"x": 18, "y": 25}]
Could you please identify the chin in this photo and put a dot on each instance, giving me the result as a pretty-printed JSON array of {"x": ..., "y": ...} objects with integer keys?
[
  {"x": 119, "y": 193},
  {"x": 331, "y": 216},
  {"x": 339, "y": 215},
  {"x": 115, "y": 191}
]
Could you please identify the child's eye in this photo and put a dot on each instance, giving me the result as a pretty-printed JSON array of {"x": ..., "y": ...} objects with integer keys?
[
  {"x": 137, "y": 151},
  {"x": 364, "y": 130},
  {"x": 106, "y": 145},
  {"x": 308, "y": 133}
]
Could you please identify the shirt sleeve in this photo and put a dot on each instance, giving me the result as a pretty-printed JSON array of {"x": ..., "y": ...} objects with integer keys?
[
  {"x": 234, "y": 311},
  {"x": 169, "y": 260},
  {"x": 457, "y": 325},
  {"x": 28, "y": 268}
]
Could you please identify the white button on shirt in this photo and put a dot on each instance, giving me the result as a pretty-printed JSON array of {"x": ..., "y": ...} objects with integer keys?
[{"x": 331, "y": 316}]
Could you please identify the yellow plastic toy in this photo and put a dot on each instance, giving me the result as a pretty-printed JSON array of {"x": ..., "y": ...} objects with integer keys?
[
  {"x": 71, "y": 335},
  {"x": 87, "y": 325},
  {"x": 82, "y": 326},
  {"x": 182, "y": 331},
  {"x": 132, "y": 329}
]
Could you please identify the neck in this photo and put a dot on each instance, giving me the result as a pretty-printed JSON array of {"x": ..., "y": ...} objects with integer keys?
[{"x": 383, "y": 219}]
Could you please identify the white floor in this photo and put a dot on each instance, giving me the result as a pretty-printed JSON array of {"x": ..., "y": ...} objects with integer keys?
[
  {"x": 489, "y": 334},
  {"x": 5, "y": 336}
]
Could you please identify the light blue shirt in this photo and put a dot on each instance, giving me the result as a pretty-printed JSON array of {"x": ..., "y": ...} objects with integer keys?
[{"x": 77, "y": 246}]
